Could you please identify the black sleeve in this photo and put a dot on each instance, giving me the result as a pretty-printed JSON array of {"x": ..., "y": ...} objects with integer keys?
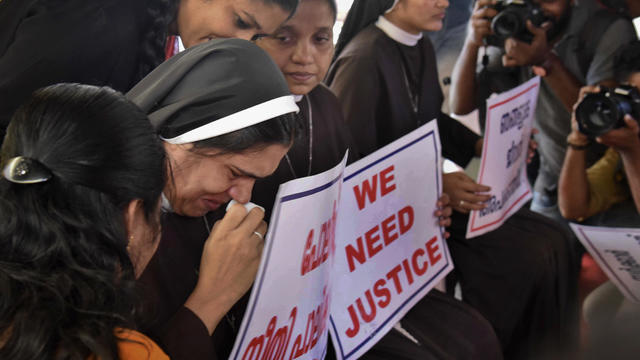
[
  {"x": 458, "y": 142},
  {"x": 186, "y": 337},
  {"x": 355, "y": 82},
  {"x": 89, "y": 42}
]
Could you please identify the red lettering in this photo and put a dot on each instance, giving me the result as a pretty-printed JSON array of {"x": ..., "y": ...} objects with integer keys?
[
  {"x": 273, "y": 341},
  {"x": 367, "y": 190},
  {"x": 388, "y": 225},
  {"x": 358, "y": 255},
  {"x": 353, "y": 331},
  {"x": 405, "y": 217},
  {"x": 324, "y": 234},
  {"x": 372, "y": 237},
  {"x": 386, "y": 177},
  {"x": 380, "y": 290},
  {"x": 393, "y": 275},
  {"x": 432, "y": 247},
  {"x": 414, "y": 261},
  {"x": 306, "y": 256},
  {"x": 315, "y": 254},
  {"x": 407, "y": 271},
  {"x": 370, "y": 316}
]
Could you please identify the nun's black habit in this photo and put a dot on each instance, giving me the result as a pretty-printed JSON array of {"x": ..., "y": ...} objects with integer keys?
[
  {"x": 206, "y": 91},
  {"x": 445, "y": 327},
  {"x": 521, "y": 277},
  {"x": 172, "y": 273}
]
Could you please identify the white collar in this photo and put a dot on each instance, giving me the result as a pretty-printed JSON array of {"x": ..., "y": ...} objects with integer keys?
[
  {"x": 298, "y": 98},
  {"x": 397, "y": 34}
]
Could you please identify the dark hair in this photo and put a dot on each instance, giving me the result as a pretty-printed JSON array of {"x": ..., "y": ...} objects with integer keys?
[
  {"x": 66, "y": 280},
  {"x": 334, "y": 8},
  {"x": 160, "y": 14},
  {"x": 279, "y": 130},
  {"x": 627, "y": 61},
  {"x": 286, "y": 5},
  {"x": 361, "y": 14}
]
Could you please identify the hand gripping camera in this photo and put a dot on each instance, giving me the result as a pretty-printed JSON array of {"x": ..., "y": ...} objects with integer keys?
[
  {"x": 601, "y": 112},
  {"x": 511, "y": 21}
]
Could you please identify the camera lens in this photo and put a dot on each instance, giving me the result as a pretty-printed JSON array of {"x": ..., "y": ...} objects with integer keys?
[
  {"x": 597, "y": 114},
  {"x": 506, "y": 24},
  {"x": 602, "y": 114}
]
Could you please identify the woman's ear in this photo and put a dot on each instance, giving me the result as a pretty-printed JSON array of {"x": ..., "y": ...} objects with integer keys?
[
  {"x": 141, "y": 243},
  {"x": 134, "y": 219}
]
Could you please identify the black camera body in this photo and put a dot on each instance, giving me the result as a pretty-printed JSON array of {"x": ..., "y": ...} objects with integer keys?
[
  {"x": 602, "y": 112},
  {"x": 511, "y": 21}
]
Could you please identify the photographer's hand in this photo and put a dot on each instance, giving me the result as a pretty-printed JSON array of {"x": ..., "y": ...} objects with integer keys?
[
  {"x": 519, "y": 53},
  {"x": 463, "y": 79},
  {"x": 573, "y": 185},
  {"x": 625, "y": 139},
  {"x": 480, "y": 22}
]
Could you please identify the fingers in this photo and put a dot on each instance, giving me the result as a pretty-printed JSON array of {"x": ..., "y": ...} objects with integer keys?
[
  {"x": 509, "y": 61},
  {"x": 443, "y": 201},
  {"x": 445, "y": 222},
  {"x": 631, "y": 124},
  {"x": 486, "y": 13},
  {"x": 251, "y": 221},
  {"x": 443, "y": 213},
  {"x": 262, "y": 230},
  {"x": 474, "y": 187},
  {"x": 481, "y": 4},
  {"x": 535, "y": 30},
  {"x": 231, "y": 219},
  {"x": 590, "y": 89},
  {"x": 533, "y": 145}
]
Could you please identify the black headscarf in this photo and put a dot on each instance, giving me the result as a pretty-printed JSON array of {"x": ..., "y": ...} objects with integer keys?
[
  {"x": 212, "y": 89},
  {"x": 362, "y": 14}
]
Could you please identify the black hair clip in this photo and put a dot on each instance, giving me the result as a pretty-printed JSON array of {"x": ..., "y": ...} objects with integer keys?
[{"x": 23, "y": 170}]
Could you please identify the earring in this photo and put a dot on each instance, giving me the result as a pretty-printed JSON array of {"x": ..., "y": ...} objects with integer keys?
[{"x": 129, "y": 243}]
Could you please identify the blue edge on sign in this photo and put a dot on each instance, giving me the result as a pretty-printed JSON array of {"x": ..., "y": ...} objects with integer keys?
[{"x": 321, "y": 188}]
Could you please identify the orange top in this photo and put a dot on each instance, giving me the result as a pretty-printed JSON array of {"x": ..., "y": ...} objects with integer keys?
[{"x": 136, "y": 346}]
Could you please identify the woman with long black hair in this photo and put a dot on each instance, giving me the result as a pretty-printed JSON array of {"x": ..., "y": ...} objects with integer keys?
[
  {"x": 112, "y": 42},
  {"x": 82, "y": 174},
  {"x": 521, "y": 277}
]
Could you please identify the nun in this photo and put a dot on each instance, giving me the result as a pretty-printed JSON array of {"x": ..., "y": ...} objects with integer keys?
[
  {"x": 225, "y": 115},
  {"x": 522, "y": 276},
  {"x": 439, "y": 326}
]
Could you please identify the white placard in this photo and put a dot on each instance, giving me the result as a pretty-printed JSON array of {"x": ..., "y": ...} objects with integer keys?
[
  {"x": 617, "y": 252},
  {"x": 390, "y": 250},
  {"x": 504, "y": 156},
  {"x": 288, "y": 309}
]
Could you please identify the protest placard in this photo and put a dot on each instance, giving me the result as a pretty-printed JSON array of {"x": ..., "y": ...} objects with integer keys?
[
  {"x": 617, "y": 252},
  {"x": 288, "y": 309},
  {"x": 389, "y": 250},
  {"x": 504, "y": 156}
]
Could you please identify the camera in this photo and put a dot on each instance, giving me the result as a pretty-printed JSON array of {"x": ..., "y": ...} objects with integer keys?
[
  {"x": 511, "y": 21},
  {"x": 601, "y": 112}
]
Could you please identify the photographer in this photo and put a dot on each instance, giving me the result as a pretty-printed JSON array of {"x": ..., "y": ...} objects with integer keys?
[
  {"x": 607, "y": 193},
  {"x": 563, "y": 50}
]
